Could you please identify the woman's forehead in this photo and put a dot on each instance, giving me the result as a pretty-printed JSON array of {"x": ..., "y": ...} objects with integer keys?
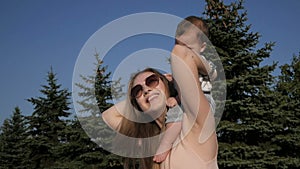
[{"x": 139, "y": 79}]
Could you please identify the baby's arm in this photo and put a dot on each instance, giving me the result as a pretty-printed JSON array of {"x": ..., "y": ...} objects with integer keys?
[
  {"x": 186, "y": 73},
  {"x": 172, "y": 131},
  {"x": 205, "y": 66}
]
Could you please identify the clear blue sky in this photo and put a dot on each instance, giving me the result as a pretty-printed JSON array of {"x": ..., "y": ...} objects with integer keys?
[{"x": 35, "y": 35}]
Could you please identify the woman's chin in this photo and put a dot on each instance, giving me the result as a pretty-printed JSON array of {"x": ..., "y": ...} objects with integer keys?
[{"x": 157, "y": 107}]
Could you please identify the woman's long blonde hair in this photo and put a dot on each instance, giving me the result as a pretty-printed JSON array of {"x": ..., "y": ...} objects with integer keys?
[{"x": 141, "y": 130}]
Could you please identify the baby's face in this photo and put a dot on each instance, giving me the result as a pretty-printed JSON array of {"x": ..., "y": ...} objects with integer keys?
[{"x": 191, "y": 39}]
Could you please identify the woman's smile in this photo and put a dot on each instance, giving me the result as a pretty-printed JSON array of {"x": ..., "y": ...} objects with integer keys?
[{"x": 152, "y": 96}]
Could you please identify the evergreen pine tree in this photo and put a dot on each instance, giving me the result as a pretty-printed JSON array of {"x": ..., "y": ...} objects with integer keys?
[
  {"x": 245, "y": 130},
  {"x": 96, "y": 94},
  {"x": 47, "y": 123},
  {"x": 13, "y": 152},
  {"x": 79, "y": 151},
  {"x": 5, "y": 145},
  {"x": 287, "y": 137}
]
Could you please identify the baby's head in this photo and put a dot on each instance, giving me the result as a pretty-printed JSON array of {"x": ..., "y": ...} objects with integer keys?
[{"x": 192, "y": 32}]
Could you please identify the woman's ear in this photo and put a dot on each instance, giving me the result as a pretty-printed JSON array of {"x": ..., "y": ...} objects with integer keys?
[
  {"x": 171, "y": 85},
  {"x": 169, "y": 77}
]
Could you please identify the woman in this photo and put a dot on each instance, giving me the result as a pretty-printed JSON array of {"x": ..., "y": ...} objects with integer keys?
[
  {"x": 197, "y": 143},
  {"x": 142, "y": 115}
]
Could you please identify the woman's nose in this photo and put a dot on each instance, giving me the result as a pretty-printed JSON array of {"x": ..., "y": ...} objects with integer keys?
[{"x": 146, "y": 89}]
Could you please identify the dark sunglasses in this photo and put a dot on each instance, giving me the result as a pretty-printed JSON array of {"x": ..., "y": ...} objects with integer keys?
[{"x": 151, "y": 81}]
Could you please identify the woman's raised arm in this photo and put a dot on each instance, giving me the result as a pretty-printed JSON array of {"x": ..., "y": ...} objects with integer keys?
[
  {"x": 112, "y": 116},
  {"x": 195, "y": 104}
]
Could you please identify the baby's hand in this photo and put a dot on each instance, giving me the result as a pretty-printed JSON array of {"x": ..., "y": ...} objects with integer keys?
[{"x": 171, "y": 102}]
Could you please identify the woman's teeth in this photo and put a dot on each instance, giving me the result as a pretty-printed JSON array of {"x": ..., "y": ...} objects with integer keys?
[{"x": 152, "y": 97}]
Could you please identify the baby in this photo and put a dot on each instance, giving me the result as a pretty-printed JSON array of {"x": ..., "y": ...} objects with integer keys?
[{"x": 188, "y": 35}]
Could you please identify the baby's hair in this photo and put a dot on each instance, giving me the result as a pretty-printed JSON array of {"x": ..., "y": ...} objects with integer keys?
[{"x": 186, "y": 24}]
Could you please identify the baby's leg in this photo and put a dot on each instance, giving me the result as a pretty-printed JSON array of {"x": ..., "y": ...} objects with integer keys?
[
  {"x": 206, "y": 67},
  {"x": 171, "y": 133}
]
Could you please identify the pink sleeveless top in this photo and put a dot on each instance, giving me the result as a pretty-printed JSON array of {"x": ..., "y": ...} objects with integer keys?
[{"x": 182, "y": 156}]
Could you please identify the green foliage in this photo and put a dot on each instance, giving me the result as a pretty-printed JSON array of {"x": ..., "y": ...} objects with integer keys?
[
  {"x": 13, "y": 133},
  {"x": 288, "y": 106},
  {"x": 80, "y": 152},
  {"x": 260, "y": 127},
  {"x": 97, "y": 93},
  {"x": 252, "y": 122},
  {"x": 47, "y": 124},
  {"x": 50, "y": 139}
]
